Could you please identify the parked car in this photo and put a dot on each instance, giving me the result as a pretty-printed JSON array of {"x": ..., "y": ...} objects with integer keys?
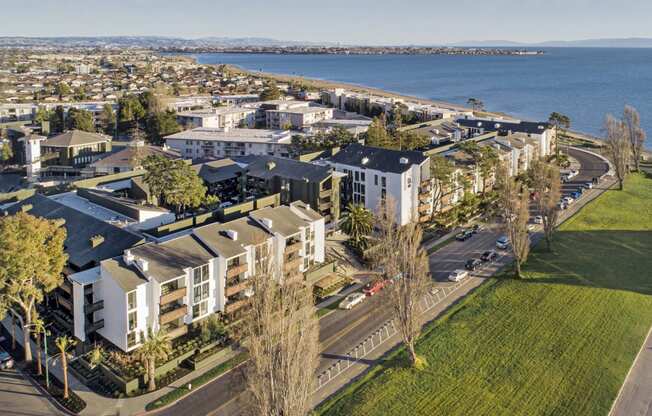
[
  {"x": 352, "y": 300},
  {"x": 502, "y": 242},
  {"x": 568, "y": 200},
  {"x": 538, "y": 219},
  {"x": 6, "y": 361},
  {"x": 588, "y": 185},
  {"x": 374, "y": 287},
  {"x": 576, "y": 195},
  {"x": 464, "y": 235},
  {"x": 562, "y": 205},
  {"x": 458, "y": 275},
  {"x": 489, "y": 256},
  {"x": 565, "y": 178},
  {"x": 477, "y": 228},
  {"x": 472, "y": 264}
]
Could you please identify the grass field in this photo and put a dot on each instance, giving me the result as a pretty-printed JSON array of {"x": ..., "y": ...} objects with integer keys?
[{"x": 559, "y": 342}]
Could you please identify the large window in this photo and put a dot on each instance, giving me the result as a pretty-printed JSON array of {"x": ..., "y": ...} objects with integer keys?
[
  {"x": 201, "y": 290},
  {"x": 131, "y": 339},
  {"x": 131, "y": 300},
  {"x": 133, "y": 320},
  {"x": 200, "y": 309},
  {"x": 200, "y": 274}
]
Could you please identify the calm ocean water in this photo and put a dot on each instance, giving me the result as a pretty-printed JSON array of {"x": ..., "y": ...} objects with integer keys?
[{"x": 584, "y": 83}]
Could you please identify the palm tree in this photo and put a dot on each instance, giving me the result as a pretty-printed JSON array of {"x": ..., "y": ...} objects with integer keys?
[
  {"x": 64, "y": 343},
  {"x": 156, "y": 347},
  {"x": 358, "y": 224},
  {"x": 39, "y": 331}
]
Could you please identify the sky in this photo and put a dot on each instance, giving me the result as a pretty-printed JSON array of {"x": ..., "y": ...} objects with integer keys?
[{"x": 370, "y": 22}]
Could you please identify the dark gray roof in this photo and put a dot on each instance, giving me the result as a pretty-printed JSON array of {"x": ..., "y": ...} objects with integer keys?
[
  {"x": 76, "y": 138},
  {"x": 80, "y": 228},
  {"x": 267, "y": 167},
  {"x": 125, "y": 158},
  {"x": 217, "y": 170},
  {"x": 384, "y": 160},
  {"x": 530, "y": 127},
  {"x": 127, "y": 277}
]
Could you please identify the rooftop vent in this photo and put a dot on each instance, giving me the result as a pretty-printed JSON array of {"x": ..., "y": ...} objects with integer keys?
[
  {"x": 365, "y": 160},
  {"x": 267, "y": 222},
  {"x": 270, "y": 165},
  {"x": 142, "y": 264},
  {"x": 26, "y": 207},
  {"x": 403, "y": 161},
  {"x": 96, "y": 240},
  {"x": 479, "y": 123},
  {"x": 541, "y": 127},
  {"x": 128, "y": 257},
  {"x": 232, "y": 234},
  {"x": 497, "y": 125}
]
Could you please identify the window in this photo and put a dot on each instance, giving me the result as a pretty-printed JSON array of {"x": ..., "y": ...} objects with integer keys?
[
  {"x": 200, "y": 293},
  {"x": 383, "y": 182},
  {"x": 375, "y": 180},
  {"x": 200, "y": 274},
  {"x": 133, "y": 320},
  {"x": 131, "y": 300},
  {"x": 362, "y": 176},
  {"x": 200, "y": 309},
  {"x": 131, "y": 339}
]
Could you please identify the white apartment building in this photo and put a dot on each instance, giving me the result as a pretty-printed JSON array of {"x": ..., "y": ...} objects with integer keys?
[
  {"x": 374, "y": 174},
  {"x": 221, "y": 117},
  {"x": 297, "y": 118},
  {"x": 169, "y": 285},
  {"x": 217, "y": 143},
  {"x": 544, "y": 133},
  {"x": 27, "y": 112},
  {"x": 236, "y": 99}
]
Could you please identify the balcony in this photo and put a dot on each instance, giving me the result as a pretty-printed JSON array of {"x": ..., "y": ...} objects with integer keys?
[
  {"x": 93, "y": 307},
  {"x": 64, "y": 302},
  {"x": 324, "y": 205},
  {"x": 173, "y": 314},
  {"x": 66, "y": 287},
  {"x": 424, "y": 218},
  {"x": 236, "y": 288},
  {"x": 173, "y": 295},
  {"x": 292, "y": 247},
  {"x": 234, "y": 306},
  {"x": 90, "y": 328},
  {"x": 326, "y": 193},
  {"x": 292, "y": 265},
  {"x": 423, "y": 208},
  {"x": 177, "y": 332},
  {"x": 425, "y": 197},
  {"x": 234, "y": 270}
]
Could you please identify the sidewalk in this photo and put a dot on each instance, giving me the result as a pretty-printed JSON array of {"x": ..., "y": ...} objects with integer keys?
[
  {"x": 635, "y": 396},
  {"x": 97, "y": 405}
]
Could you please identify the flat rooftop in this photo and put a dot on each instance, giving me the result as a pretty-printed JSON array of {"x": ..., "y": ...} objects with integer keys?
[
  {"x": 72, "y": 200},
  {"x": 301, "y": 110},
  {"x": 234, "y": 135}
]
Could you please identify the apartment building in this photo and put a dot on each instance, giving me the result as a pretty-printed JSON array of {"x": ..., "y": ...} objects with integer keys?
[
  {"x": 27, "y": 111},
  {"x": 236, "y": 99},
  {"x": 211, "y": 143},
  {"x": 221, "y": 117},
  {"x": 544, "y": 133},
  {"x": 375, "y": 174},
  {"x": 297, "y": 118},
  {"x": 262, "y": 107},
  {"x": 169, "y": 285}
]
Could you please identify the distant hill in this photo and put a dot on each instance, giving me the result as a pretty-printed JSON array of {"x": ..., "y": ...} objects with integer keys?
[
  {"x": 147, "y": 42},
  {"x": 586, "y": 43}
]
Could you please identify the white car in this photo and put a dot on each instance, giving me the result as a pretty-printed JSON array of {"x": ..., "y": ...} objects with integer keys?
[
  {"x": 352, "y": 300},
  {"x": 538, "y": 219},
  {"x": 458, "y": 275},
  {"x": 5, "y": 360},
  {"x": 568, "y": 200}
]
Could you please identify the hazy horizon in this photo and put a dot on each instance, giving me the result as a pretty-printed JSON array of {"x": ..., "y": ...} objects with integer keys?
[{"x": 421, "y": 22}]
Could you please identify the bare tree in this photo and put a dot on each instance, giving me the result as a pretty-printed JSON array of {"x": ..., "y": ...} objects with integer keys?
[
  {"x": 514, "y": 203},
  {"x": 635, "y": 134},
  {"x": 546, "y": 184},
  {"x": 618, "y": 147},
  {"x": 281, "y": 332},
  {"x": 404, "y": 261}
]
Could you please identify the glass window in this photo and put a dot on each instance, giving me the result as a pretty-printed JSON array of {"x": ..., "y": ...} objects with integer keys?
[
  {"x": 200, "y": 309},
  {"x": 357, "y": 175},
  {"x": 376, "y": 180},
  {"x": 133, "y": 320},
  {"x": 362, "y": 176},
  {"x": 200, "y": 274},
  {"x": 383, "y": 182},
  {"x": 131, "y": 339},
  {"x": 131, "y": 300}
]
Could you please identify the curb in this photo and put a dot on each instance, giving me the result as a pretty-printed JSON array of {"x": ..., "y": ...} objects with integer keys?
[
  {"x": 604, "y": 159},
  {"x": 47, "y": 394}
]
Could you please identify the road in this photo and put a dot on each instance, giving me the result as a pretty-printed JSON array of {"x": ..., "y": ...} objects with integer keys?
[
  {"x": 340, "y": 330},
  {"x": 18, "y": 397}
]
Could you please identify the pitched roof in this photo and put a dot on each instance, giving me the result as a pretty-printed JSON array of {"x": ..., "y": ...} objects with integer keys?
[
  {"x": 76, "y": 138},
  {"x": 217, "y": 170},
  {"x": 283, "y": 220},
  {"x": 126, "y": 158},
  {"x": 80, "y": 229},
  {"x": 267, "y": 167},
  {"x": 384, "y": 160}
]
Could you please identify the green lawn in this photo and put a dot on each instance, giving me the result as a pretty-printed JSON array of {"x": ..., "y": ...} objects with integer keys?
[{"x": 557, "y": 343}]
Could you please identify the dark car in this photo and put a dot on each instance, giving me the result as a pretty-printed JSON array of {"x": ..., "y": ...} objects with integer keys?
[
  {"x": 472, "y": 264},
  {"x": 489, "y": 256},
  {"x": 464, "y": 235}
]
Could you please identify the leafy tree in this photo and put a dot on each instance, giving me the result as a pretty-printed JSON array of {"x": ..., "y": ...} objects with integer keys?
[
  {"x": 80, "y": 120},
  {"x": 108, "y": 119},
  {"x": 476, "y": 104},
  {"x": 174, "y": 182},
  {"x": 161, "y": 124},
  {"x": 31, "y": 261},
  {"x": 410, "y": 140},
  {"x": 562, "y": 123},
  {"x": 271, "y": 92},
  {"x": 157, "y": 347},
  {"x": 130, "y": 111},
  {"x": 6, "y": 153},
  {"x": 64, "y": 343},
  {"x": 57, "y": 118},
  {"x": 485, "y": 159},
  {"x": 80, "y": 93},
  {"x": 62, "y": 89},
  {"x": 377, "y": 134},
  {"x": 42, "y": 115},
  {"x": 441, "y": 170},
  {"x": 150, "y": 102},
  {"x": 358, "y": 223}
]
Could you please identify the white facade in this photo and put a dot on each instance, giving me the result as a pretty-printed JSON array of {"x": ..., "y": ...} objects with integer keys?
[
  {"x": 219, "y": 143},
  {"x": 297, "y": 118},
  {"x": 224, "y": 117}
]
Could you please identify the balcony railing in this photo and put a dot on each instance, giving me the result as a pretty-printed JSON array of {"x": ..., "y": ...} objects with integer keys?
[
  {"x": 175, "y": 313},
  {"x": 326, "y": 193},
  {"x": 425, "y": 197},
  {"x": 64, "y": 302},
  {"x": 93, "y": 307},
  {"x": 293, "y": 247},
  {"x": 426, "y": 183},
  {"x": 237, "y": 288},
  {"x": 324, "y": 205},
  {"x": 66, "y": 287},
  {"x": 90, "y": 328},
  {"x": 292, "y": 264},
  {"x": 177, "y": 332},
  {"x": 424, "y": 218},
  {"x": 234, "y": 306},
  {"x": 235, "y": 270},
  {"x": 424, "y": 208},
  {"x": 173, "y": 295}
]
